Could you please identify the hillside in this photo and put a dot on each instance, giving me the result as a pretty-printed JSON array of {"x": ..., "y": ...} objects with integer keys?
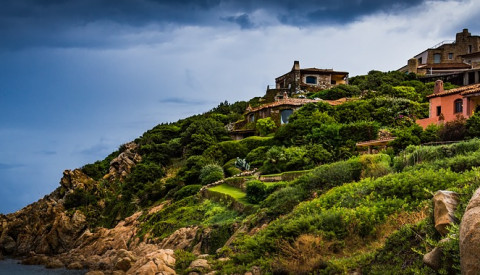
[{"x": 296, "y": 198}]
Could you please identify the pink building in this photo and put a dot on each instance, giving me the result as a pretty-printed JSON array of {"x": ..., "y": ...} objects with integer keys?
[{"x": 448, "y": 105}]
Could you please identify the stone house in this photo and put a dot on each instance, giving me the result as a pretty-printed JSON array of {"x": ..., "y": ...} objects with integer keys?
[
  {"x": 309, "y": 79},
  {"x": 449, "y": 105},
  {"x": 447, "y": 57},
  {"x": 279, "y": 110}
]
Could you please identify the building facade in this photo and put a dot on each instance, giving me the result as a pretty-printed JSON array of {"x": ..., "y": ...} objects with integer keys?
[
  {"x": 447, "y": 56},
  {"x": 298, "y": 79},
  {"x": 449, "y": 105}
]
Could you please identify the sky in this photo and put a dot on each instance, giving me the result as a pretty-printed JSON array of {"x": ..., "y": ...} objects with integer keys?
[{"x": 78, "y": 78}]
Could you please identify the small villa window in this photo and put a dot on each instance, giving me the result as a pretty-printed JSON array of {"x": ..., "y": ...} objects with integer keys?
[
  {"x": 420, "y": 60},
  {"x": 450, "y": 56},
  {"x": 458, "y": 105},
  {"x": 439, "y": 110},
  {"x": 285, "y": 114},
  {"x": 437, "y": 58},
  {"x": 311, "y": 80},
  {"x": 469, "y": 48}
]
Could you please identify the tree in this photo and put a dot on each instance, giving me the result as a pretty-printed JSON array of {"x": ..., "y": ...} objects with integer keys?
[{"x": 265, "y": 126}]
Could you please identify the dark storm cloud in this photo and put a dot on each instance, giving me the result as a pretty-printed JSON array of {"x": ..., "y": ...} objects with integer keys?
[{"x": 102, "y": 23}]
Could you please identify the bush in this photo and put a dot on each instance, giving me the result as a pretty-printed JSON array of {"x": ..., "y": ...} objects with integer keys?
[
  {"x": 265, "y": 126},
  {"x": 230, "y": 168},
  {"x": 284, "y": 200},
  {"x": 78, "y": 198},
  {"x": 473, "y": 126},
  {"x": 256, "y": 191},
  {"x": 190, "y": 173},
  {"x": 211, "y": 173},
  {"x": 454, "y": 130},
  {"x": 187, "y": 191},
  {"x": 257, "y": 156}
]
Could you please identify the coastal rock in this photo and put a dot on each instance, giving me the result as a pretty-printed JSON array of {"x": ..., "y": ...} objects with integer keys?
[
  {"x": 122, "y": 165},
  {"x": 76, "y": 179},
  {"x": 54, "y": 263},
  {"x": 199, "y": 265},
  {"x": 433, "y": 259},
  {"x": 160, "y": 261},
  {"x": 470, "y": 236},
  {"x": 180, "y": 239},
  {"x": 75, "y": 265},
  {"x": 445, "y": 203},
  {"x": 7, "y": 244}
]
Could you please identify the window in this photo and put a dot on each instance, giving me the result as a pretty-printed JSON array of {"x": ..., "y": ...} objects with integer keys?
[
  {"x": 420, "y": 60},
  {"x": 450, "y": 56},
  {"x": 469, "y": 48},
  {"x": 333, "y": 82},
  {"x": 458, "y": 104},
  {"x": 437, "y": 58},
  {"x": 439, "y": 110},
  {"x": 311, "y": 80},
  {"x": 252, "y": 118},
  {"x": 285, "y": 114}
]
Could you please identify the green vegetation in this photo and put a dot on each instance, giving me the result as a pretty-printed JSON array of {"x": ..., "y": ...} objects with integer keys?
[
  {"x": 231, "y": 191},
  {"x": 333, "y": 212}
]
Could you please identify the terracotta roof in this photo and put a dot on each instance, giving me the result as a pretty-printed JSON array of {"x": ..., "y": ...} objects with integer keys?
[
  {"x": 295, "y": 102},
  {"x": 464, "y": 90},
  {"x": 446, "y": 66}
]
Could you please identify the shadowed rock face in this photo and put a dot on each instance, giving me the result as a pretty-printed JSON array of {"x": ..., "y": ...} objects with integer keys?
[
  {"x": 44, "y": 227},
  {"x": 470, "y": 237}
]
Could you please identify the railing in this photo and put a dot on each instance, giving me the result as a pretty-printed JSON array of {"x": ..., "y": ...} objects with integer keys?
[{"x": 442, "y": 43}]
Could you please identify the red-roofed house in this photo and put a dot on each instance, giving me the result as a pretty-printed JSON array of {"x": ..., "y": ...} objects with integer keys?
[{"x": 448, "y": 105}]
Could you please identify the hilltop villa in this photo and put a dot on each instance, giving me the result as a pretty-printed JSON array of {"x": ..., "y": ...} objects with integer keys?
[
  {"x": 457, "y": 62},
  {"x": 448, "y": 105},
  {"x": 288, "y": 95}
]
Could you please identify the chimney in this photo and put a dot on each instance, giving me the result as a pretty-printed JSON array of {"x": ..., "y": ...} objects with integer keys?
[
  {"x": 296, "y": 65},
  {"x": 462, "y": 35},
  {"x": 438, "y": 87}
]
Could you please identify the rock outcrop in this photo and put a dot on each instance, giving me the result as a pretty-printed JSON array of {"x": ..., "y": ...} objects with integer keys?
[
  {"x": 445, "y": 203},
  {"x": 470, "y": 236},
  {"x": 42, "y": 227},
  {"x": 122, "y": 165}
]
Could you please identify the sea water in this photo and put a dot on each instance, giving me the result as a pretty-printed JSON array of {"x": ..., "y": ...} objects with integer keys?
[{"x": 13, "y": 267}]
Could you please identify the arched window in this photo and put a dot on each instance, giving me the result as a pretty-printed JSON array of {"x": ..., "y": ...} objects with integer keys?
[
  {"x": 458, "y": 105},
  {"x": 311, "y": 80}
]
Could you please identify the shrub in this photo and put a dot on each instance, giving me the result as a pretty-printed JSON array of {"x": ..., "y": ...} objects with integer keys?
[
  {"x": 284, "y": 200},
  {"x": 190, "y": 173},
  {"x": 230, "y": 168},
  {"x": 375, "y": 166},
  {"x": 211, "y": 173},
  {"x": 265, "y": 126},
  {"x": 256, "y": 191},
  {"x": 454, "y": 130},
  {"x": 473, "y": 126},
  {"x": 254, "y": 142},
  {"x": 187, "y": 191},
  {"x": 79, "y": 197},
  {"x": 330, "y": 175},
  {"x": 257, "y": 156}
]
